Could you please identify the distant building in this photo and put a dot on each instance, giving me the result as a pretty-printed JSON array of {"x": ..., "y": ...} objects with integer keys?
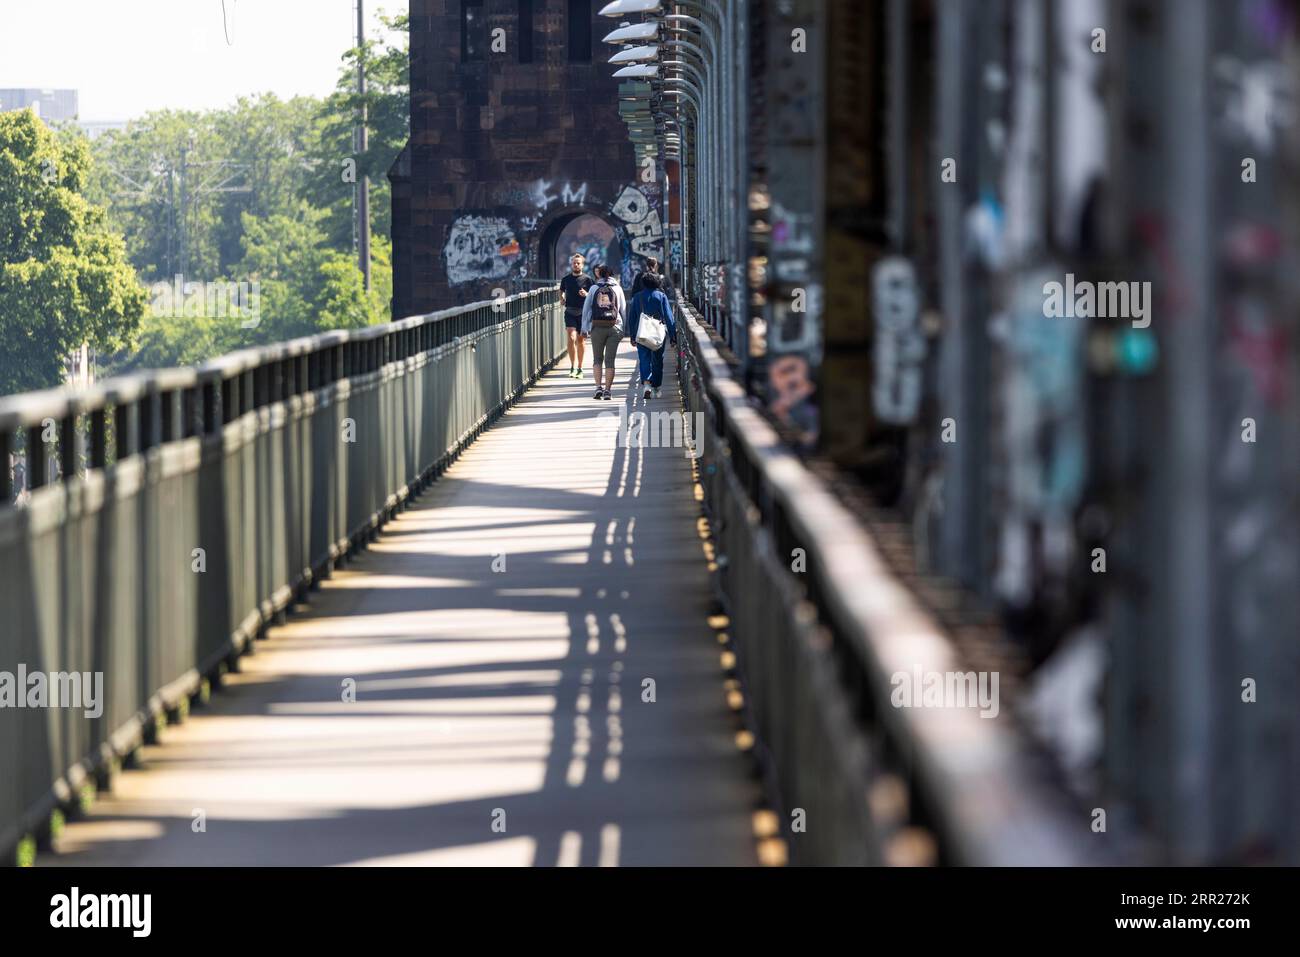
[
  {"x": 518, "y": 154},
  {"x": 50, "y": 105}
]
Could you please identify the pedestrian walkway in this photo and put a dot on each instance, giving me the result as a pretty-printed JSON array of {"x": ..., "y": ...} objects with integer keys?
[{"x": 498, "y": 635}]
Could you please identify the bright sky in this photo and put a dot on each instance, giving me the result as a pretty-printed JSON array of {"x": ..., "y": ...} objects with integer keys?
[{"x": 125, "y": 57}]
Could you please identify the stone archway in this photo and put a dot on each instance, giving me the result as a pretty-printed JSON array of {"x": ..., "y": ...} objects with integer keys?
[{"x": 579, "y": 230}]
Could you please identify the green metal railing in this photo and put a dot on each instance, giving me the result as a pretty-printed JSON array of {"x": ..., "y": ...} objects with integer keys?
[
  {"x": 821, "y": 626},
  {"x": 171, "y": 515}
]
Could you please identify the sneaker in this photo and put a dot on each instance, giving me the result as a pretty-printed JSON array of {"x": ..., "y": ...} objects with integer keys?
[
  {"x": 572, "y": 370},
  {"x": 657, "y": 393},
  {"x": 600, "y": 393},
  {"x": 608, "y": 395},
  {"x": 647, "y": 393},
  {"x": 577, "y": 373}
]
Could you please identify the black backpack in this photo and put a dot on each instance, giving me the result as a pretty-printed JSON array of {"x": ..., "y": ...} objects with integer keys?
[{"x": 604, "y": 308}]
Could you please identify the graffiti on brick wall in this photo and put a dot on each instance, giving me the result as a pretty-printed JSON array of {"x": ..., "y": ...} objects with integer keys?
[
  {"x": 480, "y": 248},
  {"x": 546, "y": 193},
  {"x": 592, "y": 237},
  {"x": 504, "y": 241}
]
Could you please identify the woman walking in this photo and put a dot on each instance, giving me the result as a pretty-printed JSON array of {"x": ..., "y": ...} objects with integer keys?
[
  {"x": 651, "y": 301},
  {"x": 604, "y": 312}
]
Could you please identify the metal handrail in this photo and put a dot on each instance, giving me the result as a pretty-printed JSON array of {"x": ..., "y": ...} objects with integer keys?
[
  {"x": 211, "y": 498},
  {"x": 32, "y": 410},
  {"x": 970, "y": 783}
]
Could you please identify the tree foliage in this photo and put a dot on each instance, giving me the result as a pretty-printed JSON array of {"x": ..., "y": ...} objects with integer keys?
[
  {"x": 65, "y": 278},
  {"x": 265, "y": 200},
  {"x": 388, "y": 110},
  {"x": 258, "y": 195}
]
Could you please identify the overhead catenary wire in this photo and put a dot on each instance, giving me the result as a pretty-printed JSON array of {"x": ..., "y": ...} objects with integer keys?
[{"x": 228, "y": 21}]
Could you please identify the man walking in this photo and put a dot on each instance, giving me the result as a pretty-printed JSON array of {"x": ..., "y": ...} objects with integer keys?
[
  {"x": 573, "y": 291},
  {"x": 651, "y": 301},
  {"x": 604, "y": 313}
]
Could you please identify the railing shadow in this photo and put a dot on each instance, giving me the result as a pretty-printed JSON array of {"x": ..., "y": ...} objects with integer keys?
[{"x": 585, "y": 771}]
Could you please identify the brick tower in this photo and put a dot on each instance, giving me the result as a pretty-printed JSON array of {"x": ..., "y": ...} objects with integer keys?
[{"x": 517, "y": 155}]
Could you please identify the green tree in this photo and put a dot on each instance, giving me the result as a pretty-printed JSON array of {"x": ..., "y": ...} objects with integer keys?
[
  {"x": 178, "y": 183},
  {"x": 256, "y": 192},
  {"x": 337, "y": 162},
  {"x": 64, "y": 274},
  {"x": 306, "y": 286},
  {"x": 174, "y": 339}
]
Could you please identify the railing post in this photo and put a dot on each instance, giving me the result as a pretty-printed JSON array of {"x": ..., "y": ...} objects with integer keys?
[
  {"x": 6, "y": 472},
  {"x": 123, "y": 431},
  {"x": 145, "y": 422},
  {"x": 167, "y": 407},
  {"x": 190, "y": 423},
  {"x": 211, "y": 407},
  {"x": 37, "y": 469},
  {"x": 68, "y": 445},
  {"x": 99, "y": 438},
  {"x": 227, "y": 398}
]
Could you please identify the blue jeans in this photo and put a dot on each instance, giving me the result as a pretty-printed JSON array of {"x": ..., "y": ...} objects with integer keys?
[{"x": 652, "y": 364}]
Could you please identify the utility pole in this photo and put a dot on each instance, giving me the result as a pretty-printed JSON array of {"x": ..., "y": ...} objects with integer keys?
[
  {"x": 171, "y": 222},
  {"x": 184, "y": 208},
  {"x": 361, "y": 204},
  {"x": 215, "y": 176}
]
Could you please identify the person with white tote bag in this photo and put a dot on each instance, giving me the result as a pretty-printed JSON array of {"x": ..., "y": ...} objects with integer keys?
[{"x": 650, "y": 324}]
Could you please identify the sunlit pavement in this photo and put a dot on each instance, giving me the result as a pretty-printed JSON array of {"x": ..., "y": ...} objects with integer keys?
[{"x": 498, "y": 638}]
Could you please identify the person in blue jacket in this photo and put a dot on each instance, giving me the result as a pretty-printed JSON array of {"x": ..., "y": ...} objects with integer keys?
[{"x": 651, "y": 301}]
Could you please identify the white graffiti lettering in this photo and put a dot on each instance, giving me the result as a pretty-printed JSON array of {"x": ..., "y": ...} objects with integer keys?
[
  {"x": 479, "y": 248},
  {"x": 573, "y": 197},
  {"x": 541, "y": 196},
  {"x": 641, "y": 222}
]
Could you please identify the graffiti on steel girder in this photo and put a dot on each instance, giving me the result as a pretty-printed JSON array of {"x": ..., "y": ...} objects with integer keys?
[
  {"x": 792, "y": 244},
  {"x": 675, "y": 248},
  {"x": 714, "y": 278},
  {"x": 1042, "y": 437},
  {"x": 640, "y": 220},
  {"x": 899, "y": 347}
]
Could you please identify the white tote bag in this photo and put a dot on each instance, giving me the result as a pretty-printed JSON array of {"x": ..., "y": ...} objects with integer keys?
[{"x": 650, "y": 332}]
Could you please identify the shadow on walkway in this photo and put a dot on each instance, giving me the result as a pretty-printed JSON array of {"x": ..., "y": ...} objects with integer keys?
[{"x": 499, "y": 635}]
